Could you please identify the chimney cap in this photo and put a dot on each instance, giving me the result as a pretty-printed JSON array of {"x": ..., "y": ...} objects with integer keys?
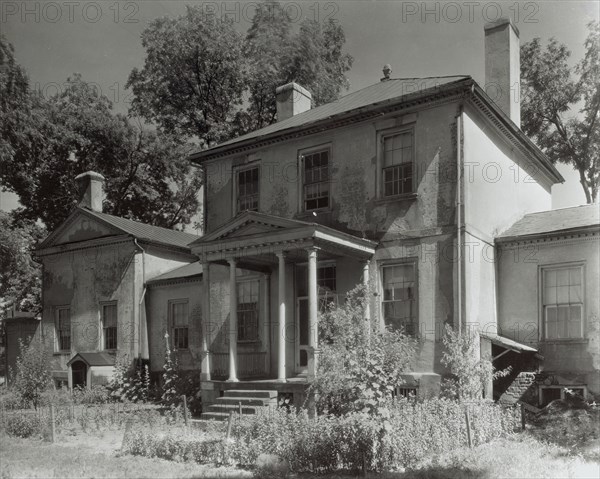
[
  {"x": 500, "y": 23},
  {"x": 292, "y": 86},
  {"x": 90, "y": 174},
  {"x": 387, "y": 71}
]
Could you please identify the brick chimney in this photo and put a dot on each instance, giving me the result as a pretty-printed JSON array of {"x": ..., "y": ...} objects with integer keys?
[
  {"x": 503, "y": 67},
  {"x": 91, "y": 190},
  {"x": 291, "y": 100}
]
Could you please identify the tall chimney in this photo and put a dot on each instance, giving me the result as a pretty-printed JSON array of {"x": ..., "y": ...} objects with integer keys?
[
  {"x": 291, "y": 100},
  {"x": 503, "y": 67},
  {"x": 91, "y": 190}
]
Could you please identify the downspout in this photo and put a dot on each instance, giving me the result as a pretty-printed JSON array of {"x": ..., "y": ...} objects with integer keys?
[
  {"x": 141, "y": 297},
  {"x": 459, "y": 216}
]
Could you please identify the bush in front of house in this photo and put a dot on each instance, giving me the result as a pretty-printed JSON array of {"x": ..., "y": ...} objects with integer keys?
[
  {"x": 11, "y": 399},
  {"x": 97, "y": 394},
  {"x": 32, "y": 376},
  {"x": 24, "y": 425},
  {"x": 359, "y": 365},
  {"x": 130, "y": 381}
]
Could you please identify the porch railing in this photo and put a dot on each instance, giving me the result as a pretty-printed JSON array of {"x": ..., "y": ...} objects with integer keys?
[{"x": 249, "y": 365}]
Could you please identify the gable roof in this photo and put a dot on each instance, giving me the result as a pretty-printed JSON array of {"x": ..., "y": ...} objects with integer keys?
[
  {"x": 377, "y": 94},
  {"x": 553, "y": 221},
  {"x": 381, "y": 98},
  {"x": 94, "y": 359},
  {"x": 189, "y": 271},
  {"x": 140, "y": 231}
]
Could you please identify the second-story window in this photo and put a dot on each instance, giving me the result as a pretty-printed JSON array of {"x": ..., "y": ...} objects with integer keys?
[
  {"x": 109, "y": 325},
  {"x": 316, "y": 180},
  {"x": 398, "y": 163},
  {"x": 179, "y": 318},
  {"x": 247, "y": 189}
]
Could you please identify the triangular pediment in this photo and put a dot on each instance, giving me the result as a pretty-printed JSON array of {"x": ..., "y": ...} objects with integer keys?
[
  {"x": 79, "y": 227},
  {"x": 250, "y": 223}
]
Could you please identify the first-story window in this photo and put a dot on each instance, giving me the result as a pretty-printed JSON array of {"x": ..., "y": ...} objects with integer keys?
[
  {"x": 399, "y": 304},
  {"x": 109, "y": 325},
  {"x": 562, "y": 298},
  {"x": 316, "y": 180},
  {"x": 247, "y": 309},
  {"x": 398, "y": 164},
  {"x": 63, "y": 328},
  {"x": 179, "y": 319},
  {"x": 247, "y": 189}
]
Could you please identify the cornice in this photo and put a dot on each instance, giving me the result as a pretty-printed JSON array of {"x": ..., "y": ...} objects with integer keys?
[{"x": 551, "y": 239}]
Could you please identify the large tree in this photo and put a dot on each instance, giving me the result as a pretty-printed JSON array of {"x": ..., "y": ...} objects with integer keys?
[
  {"x": 549, "y": 96},
  {"x": 203, "y": 79},
  {"x": 20, "y": 275},
  {"x": 46, "y": 142}
]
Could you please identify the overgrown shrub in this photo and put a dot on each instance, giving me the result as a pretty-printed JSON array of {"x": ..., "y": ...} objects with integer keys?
[
  {"x": 96, "y": 394},
  {"x": 12, "y": 399},
  {"x": 470, "y": 371},
  {"x": 359, "y": 365},
  {"x": 32, "y": 376},
  {"x": 24, "y": 425},
  {"x": 130, "y": 381}
]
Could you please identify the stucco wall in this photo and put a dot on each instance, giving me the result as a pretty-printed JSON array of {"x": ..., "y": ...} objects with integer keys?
[
  {"x": 157, "y": 313},
  {"x": 520, "y": 314},
  {"x": 500, "y": 187},
  {"x": 83, "y": 279}
]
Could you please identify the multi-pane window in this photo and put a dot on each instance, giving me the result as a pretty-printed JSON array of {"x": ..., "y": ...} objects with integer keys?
[
  {"x": 398, "y": 164},
  {"x": 179, "y": 311},
  {"x": 400, "y": 297},
  {"x": 326, "y": 278},
  {"x": 316, "y": 180},
  {"x": 63, "y": 328},
  {"x": 563, "y": 302},
  {"x": 247, "y": 189},
  {"x": 247, "y": 309},
  {"x": 109, "y": 325}
]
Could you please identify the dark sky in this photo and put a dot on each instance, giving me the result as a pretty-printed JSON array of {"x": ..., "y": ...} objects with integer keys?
[{"x": 101, "y": 40}]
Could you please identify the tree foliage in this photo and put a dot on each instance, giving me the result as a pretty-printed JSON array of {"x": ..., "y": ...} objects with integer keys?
[
  {"x": 47, "y": 142},
  {"x": 549, "y": 95},
  {"x": 359, "y": 364},
  {"x": 20, "y": 275},
  {"x": 204, "y": 79}
]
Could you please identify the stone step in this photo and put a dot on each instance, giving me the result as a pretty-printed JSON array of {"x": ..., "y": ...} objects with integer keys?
[
  {"x": 246, "y": 393},
  {"x": 226, "y": 408},
  {"x": 214, "y": 416},
  {"x": 248, "y": 401}
]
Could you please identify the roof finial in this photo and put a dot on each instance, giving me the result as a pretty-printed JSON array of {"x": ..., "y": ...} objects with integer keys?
[{"x": 387, "y": 71}]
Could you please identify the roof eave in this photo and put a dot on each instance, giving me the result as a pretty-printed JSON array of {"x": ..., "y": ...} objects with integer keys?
[
  {"x": 525, "y": 141},
  {"x": 217, "y": 151},
  {"x": 548, "y": 234}
]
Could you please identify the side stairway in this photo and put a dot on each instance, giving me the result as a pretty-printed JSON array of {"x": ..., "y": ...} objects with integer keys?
[{"x": 240, "y": 400}]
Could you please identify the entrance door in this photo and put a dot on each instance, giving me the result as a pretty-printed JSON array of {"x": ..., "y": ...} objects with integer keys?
[{"x": 79, "y": 372}]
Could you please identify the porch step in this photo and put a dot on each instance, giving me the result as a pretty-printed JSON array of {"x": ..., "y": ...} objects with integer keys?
[
  {"x": 257, "y": 393},
  {"x": 246, "y": 401},
  {"x": 251, "y": 402}
]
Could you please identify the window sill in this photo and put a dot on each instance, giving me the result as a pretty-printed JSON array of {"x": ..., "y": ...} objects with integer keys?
[
  {"x": 248, "y": 341},
  {"x": 395, "y": 199},
  {"x": 303, "y": 215},
  {"x": 61, "y": 353}
]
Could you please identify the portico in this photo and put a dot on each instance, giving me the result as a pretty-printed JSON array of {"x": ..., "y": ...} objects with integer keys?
[{"x": 256, "y": 245}]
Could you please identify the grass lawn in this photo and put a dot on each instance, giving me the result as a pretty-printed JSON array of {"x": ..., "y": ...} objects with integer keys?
[{"x": 96, "y": 455}]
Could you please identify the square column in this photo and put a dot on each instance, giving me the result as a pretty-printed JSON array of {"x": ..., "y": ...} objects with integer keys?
[
  {"x": 281, "y": 326},
  {"x": 206, "y": 324},
  {"x": 233, "y": 322},
  {"x": 313, "y": 322}
]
